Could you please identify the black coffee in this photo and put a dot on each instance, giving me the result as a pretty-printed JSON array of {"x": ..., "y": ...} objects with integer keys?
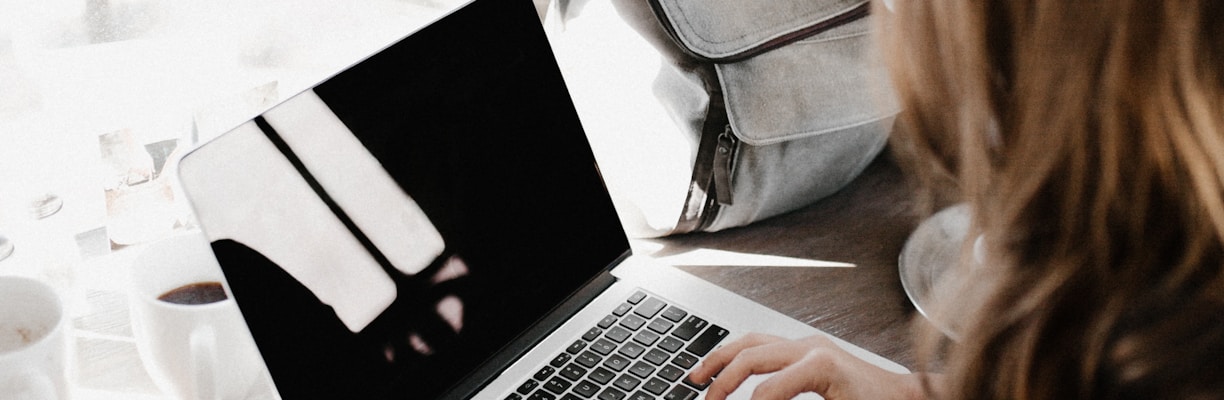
[{"x": 195, "y": 293}]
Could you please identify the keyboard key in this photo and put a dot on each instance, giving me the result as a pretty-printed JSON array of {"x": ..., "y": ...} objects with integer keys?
[
  {"x": 636, "y": 297},
  {"x": 641, "y": 369},
  {"x": 671, "y": 344},
  {"x": 514, "y": 396},
  {"x": 660, "y": 325},
  {"x": 592, "y": 334},
  {"x": 618, "y": 334},
  {"x": 560, "y": 360},
  {"x": 603, "y": 347},
  {"x": 576, "y": 347},
  {"x": 640, "y": 395},
  {"x": 633, "y": 322},
  {"x": 680, "y": 393},
  {"x": 646, "y": 338},
  {"x": 631, "y": 350},
  {"x": 607, "y": 321},
  {"x": 572, "y": 372},
  {"x": 685, "y": 360},
  {"x": 617, "y": 363},
  {"x": 674, "y": 314},
  {"x": 649, "y": 308},
  {"x": 602, "y": 375},
  {"x": 627, "y": 383},
  {"x": 656, "y": 386},
  {"x": 544, "y": 373},
  {"x": 542, "y": 395},
  {"x": 670, "y": 373},
  {"x": 570, "y": 396},
  {"x": 588, "y": 359},
  {"x": 707, "y": 340},
  {"x": 690, "y": 327},
  {"x": 557, "y": 385},
  {"x": 656, "y": 356},
  {"x": 695, "y": 385},
  {"x": 586, "y": 389},
  {"x": 527, "y": 387},
  {"x": 611, "y": 394},
  {"x": 622, "y": 309}
]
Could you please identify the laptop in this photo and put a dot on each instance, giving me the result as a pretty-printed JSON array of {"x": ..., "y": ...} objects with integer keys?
[{"x": 431, "y": 223}]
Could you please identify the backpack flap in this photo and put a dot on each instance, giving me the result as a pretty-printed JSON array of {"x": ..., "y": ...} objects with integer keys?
[
  {"x": 787, "y": 69},
  {"x": 730, "y": 30},
  {"x": 821, "y": 84}
]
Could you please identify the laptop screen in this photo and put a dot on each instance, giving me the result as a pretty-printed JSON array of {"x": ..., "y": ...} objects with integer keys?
[{"x": 471, "y": 119}]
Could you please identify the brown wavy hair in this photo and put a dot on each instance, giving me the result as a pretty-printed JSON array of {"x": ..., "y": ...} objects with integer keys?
[{"x": 1088, "y": 139}]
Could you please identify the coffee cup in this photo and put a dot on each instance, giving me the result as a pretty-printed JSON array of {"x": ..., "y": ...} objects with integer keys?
[
  {"x": 32, "y": 341},
  {"x": 189, "y": 331}
]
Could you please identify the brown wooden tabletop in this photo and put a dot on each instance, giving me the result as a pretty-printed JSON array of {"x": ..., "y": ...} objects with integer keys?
[{"x": 865, "y": 224}]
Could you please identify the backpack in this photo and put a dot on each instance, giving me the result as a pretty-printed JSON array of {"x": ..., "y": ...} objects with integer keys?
[{"x": 780, "y": 102}]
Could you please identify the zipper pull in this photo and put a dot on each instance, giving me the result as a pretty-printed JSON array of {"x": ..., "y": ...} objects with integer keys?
[{"x": 724, "y": 160}]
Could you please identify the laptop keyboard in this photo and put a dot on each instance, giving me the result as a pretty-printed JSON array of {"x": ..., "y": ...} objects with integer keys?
[{"x": 642, "y": 350}]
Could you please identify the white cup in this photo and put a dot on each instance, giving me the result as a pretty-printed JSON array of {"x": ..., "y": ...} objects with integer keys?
[
  {"x": 197, "y": 351},
  {"x": 32, "y": 341}
]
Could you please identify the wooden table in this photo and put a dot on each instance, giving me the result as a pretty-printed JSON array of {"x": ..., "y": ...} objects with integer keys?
[{"x": 865, "y": 224}]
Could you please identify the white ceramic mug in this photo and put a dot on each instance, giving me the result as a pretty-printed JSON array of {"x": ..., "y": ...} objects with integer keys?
[
  {"x": 193, "y": 351},
  {"x": 32, "y": 342}
]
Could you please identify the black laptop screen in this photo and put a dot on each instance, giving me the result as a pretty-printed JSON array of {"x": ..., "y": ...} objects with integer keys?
[{"x": 471, "y": 118}]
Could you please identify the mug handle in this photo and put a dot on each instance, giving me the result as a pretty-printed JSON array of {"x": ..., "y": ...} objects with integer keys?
[
  {"x": 38, "y": 386},
  {"x": 205, "y": 363}
]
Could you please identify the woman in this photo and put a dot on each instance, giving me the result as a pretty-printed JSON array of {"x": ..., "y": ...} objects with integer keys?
[{"x": 1088, "y": 138}]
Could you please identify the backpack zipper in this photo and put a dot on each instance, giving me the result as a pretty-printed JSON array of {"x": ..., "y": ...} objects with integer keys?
[
  {"x": 724, "y": 162},
  {"x": 720, "y": 189}
]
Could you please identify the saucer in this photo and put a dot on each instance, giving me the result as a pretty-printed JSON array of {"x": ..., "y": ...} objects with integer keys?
[
  {"x": 6, "y": 247},
  {"x": 928, "y": 260}
]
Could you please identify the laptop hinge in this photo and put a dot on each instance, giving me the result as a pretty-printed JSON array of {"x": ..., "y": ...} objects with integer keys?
[{"x": 525, "y": 341}]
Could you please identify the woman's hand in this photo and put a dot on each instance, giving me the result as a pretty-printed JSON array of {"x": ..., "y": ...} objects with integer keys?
[{"x": 813, "y": 364}]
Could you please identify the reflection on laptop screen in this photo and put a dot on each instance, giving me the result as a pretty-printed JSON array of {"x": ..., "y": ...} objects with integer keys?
[{"x": 472, "y": 122}]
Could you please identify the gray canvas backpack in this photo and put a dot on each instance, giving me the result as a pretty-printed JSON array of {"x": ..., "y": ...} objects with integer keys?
[
  {"x": 796, "y": 106},
  {"x": 712, "y": 114}
]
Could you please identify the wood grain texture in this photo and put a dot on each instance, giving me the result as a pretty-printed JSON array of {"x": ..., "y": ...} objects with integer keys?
[{"x": 865, "y": 224}]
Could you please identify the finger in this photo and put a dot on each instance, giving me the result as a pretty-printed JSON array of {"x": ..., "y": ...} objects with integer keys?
[
  {"x": 814, "y": 372},
  {"x": 756, "y": 360},
  {"x": 717, "y": 359}
]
